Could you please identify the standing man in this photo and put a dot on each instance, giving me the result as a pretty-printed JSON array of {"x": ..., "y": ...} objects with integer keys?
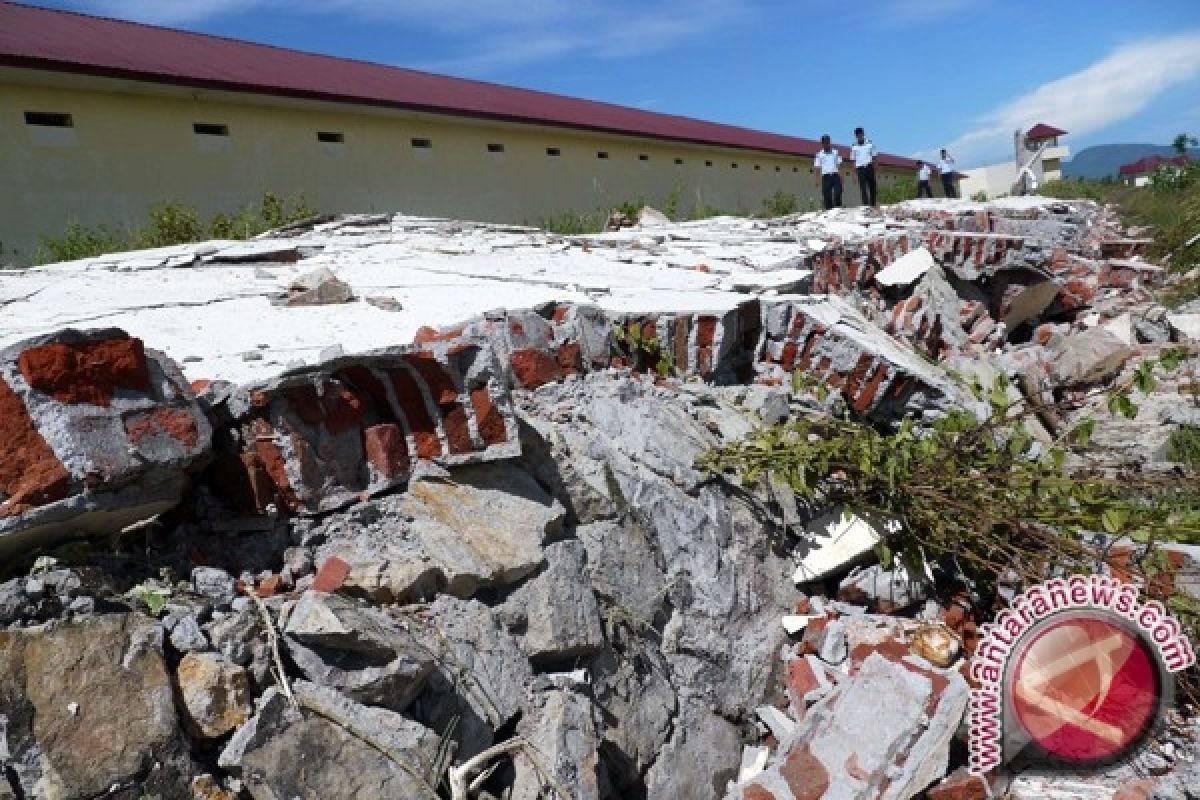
[
  {"x": 946, "y": 168},
  {"x": 826, "y": 164},
  {"x": 863, "y": 151},
  {"x": 923, "y": 187}
]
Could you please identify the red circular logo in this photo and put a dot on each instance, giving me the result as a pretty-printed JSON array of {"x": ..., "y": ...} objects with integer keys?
[{"x": 1085, "y": 688}]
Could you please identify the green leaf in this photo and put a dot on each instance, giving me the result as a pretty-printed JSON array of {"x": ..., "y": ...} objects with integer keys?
[
  {"x": 1082, "y": 435},
  {"x": 883, "y": 553},
  {"x": 154, "y": 598},
  {"x": 1171, "y": 359},
  {"x": 1114, "y": 519},
  {"x": 1143, "y": 377}
]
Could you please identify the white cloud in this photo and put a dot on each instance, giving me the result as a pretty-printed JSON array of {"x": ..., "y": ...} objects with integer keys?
[
  {"x": 488, "y": 34},
  {"x": 1115, "y": 88}
]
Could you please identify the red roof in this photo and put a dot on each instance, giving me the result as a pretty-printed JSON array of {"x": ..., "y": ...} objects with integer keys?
[
  {"x": 1151, "y": 163},
  {"x": 48, "y": 39},
  {"x": 1043, "y": 131}
]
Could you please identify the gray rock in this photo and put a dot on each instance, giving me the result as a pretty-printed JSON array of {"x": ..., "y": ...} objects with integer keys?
[
  {"x": 13, "y": 602},
  {"x": 481, "y": 675},
  {"x": 35, "y": 589},
  {"x": 1087, "y": 357},
  {"x": 623, "y": 568},
  {"x": 186, "y": 635},
  {"x": 215, "y": 584},
  {"x": 319, "y": 287},
  {"x": 357, "y": 650},
  {"x": 562, "y": 617},
  {"x": 214, "y": 694},
  {"x": 89, "y": 704},
  {"x": 1151, "y": 325},
  {"x": 561, "y": 730},
  {"x": 701, "y": 757},
  {"x": 284, "y": 753},
  {"x": 484, "y": 528}
]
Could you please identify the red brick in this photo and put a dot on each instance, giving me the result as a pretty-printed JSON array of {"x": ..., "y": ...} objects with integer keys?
[
  {"x": 788, "y": 356},
  {"x": 86, "y": 372},
  {"x": 706, "y": 330},
  {"x": 331, "y": 575},
  {"x": 533, "y": 368},
  {"x": 273, "y": 462},
  {"x": 756, "y": 792},
  {"x": 426, "y": 334},
  {"x": 412, "y": 403},
  {"x": 801, "y": 679},
  {"x": 386, "y": 449},
  {"x": 174, "y": 422},
  {"x": 458, "y": 429},
  {"x": 269, "y": 586},
  {"x": 569, "y": 358},
  {"x": 866, "y": 397},
  {"x": 200, "y": 384},
  {"x": 806, "y": 776},
  {"x": 488, "y": 418},
  {"x": 30, "y": 472},
  {"x": 961, "y": 785},
  {"x": 683, "y": 326}
]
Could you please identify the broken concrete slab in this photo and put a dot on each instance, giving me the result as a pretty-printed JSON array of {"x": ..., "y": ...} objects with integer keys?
[
  {"x": 907, "y": 269},
  {"x": 838, "y": 538},
  {"x": 319, "y": 438},
  {"x": 829, "y": 757},
  {"x": 96, "y": 433}
]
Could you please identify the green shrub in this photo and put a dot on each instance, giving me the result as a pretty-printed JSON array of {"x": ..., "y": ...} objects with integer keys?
[
  {"x": 1184, "y": 446},
  {"x": 781, "y": 204},
  {"x": 573, "y": 223},
  {"x": 896, "y": 190},
  {"x": 170, "y": 224},
  {"x": 980, "y": 196},
  {"x": 79, "y": 241}
]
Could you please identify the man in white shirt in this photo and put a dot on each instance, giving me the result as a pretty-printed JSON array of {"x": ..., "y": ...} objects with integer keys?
[
  {"x": 826, "y": 164},
  {"x": 923, "y": 173},
  {"x": 863, "y": 151},
  {"x": 946, "y": 168}
]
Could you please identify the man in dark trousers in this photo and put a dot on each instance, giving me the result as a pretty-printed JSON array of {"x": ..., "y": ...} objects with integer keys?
[
  {"x": 826, "y": 164},
  {"x": 923, "y": 187},
  {"x": 946, "y": 168},
  {"x": 863, "y": 151}
]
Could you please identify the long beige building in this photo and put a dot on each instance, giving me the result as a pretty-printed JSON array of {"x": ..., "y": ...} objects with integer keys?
[{"x": 102, "y": 120}]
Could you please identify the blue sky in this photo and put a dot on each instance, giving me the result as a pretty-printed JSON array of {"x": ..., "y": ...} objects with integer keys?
[{"x": 918, "y": 74}]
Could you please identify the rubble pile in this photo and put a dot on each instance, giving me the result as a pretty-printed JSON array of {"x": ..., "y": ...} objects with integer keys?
[{"x": 408, "y": 505}]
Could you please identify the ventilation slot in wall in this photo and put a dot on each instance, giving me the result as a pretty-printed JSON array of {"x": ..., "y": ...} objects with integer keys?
[
  {"x": 679, "y": 162},
  {"x": 209, "y": 129},
  {"x": 422, "y": 144},
  {"x": 495, "y": 148},
  {"x": 47, "y": 119},
  {"x": 331, "y": 137},
  {"x": 601, "y": 154},
  {"x": 643, "y": 157},
  {"x": 553, "y": 151}
]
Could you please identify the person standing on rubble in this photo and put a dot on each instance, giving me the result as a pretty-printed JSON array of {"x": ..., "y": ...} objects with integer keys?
[
  {"x": 863, "y": 151},
  {"x": 923, "y": 173},
  {"x": 826, "y": 164},
  {"x": 947, "y": 169}
]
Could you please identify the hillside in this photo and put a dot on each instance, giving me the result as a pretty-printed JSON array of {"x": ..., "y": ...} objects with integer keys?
[{"x": 1106, "y": 159}]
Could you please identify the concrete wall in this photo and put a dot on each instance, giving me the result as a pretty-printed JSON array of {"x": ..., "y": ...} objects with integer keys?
[{"x": 132, "y": 146}]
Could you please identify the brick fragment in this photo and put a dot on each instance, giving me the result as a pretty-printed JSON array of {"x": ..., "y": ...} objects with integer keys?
[
  {"x": 86, "y": 372},
  {"x": 331, "y": 575},
  {"x": 30, "y": 472}
]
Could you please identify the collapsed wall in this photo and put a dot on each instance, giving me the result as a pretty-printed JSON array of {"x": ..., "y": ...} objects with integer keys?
[{"x": 499, "y": 529}]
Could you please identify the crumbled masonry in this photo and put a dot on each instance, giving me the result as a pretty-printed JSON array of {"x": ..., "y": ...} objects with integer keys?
[{"x": 393, "y": 491}]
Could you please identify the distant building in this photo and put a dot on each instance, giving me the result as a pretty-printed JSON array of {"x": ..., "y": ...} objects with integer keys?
[
  {"x": 101, "y": 120},
  {"x": 1037, "y": 158},
  {"x": 1138, "y": 173}
]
